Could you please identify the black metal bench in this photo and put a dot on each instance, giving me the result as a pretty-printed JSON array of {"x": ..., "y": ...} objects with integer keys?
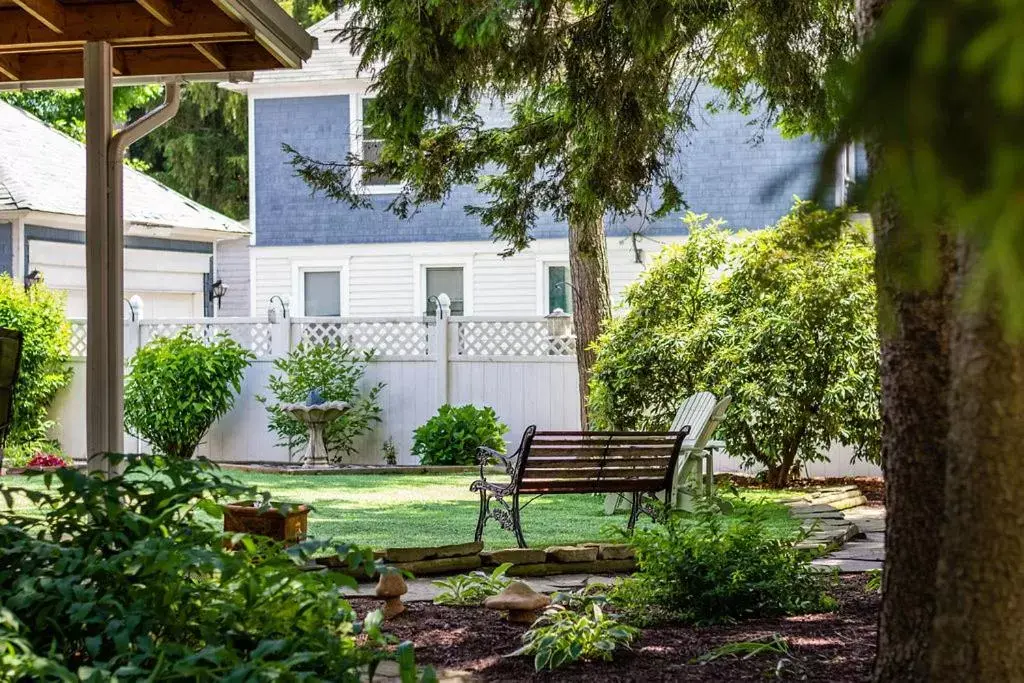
[{"x": 636, "y": 463}]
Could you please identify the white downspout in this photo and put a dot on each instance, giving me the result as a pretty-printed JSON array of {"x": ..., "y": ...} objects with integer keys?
[{"x": 116, "y": 148}]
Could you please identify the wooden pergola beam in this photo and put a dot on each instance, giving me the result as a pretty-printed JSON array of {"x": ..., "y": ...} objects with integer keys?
[
  {"x": 10, "y": 67},
  {"x": 214, "y": 54},
  {"x": 160, "y": 9},
  {"x": 119, "y": 24},
  {"x": 152, "y": 61},
  {"x": 49, "y": 12}
]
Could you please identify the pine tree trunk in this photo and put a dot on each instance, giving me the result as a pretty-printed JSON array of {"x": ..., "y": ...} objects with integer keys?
[
  {"x": 591, "y": 298},
  {"x": 978, "y": 633},
  {"x": 914, "y": 335},
  {"x": 915, "y": 374}
]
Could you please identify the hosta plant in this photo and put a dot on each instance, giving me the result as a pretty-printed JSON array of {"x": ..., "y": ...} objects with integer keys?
[
  {"x": 562, "y": 636},
  {"x": 473, "y": 588}
]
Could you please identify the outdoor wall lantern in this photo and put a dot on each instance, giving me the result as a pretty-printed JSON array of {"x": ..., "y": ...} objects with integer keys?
[
  {"x": 272, "y": 316},
  {"x": 559, "y": 323},
  {"x": 217, "y": 290},
  {"x": 33, "y": 278}
]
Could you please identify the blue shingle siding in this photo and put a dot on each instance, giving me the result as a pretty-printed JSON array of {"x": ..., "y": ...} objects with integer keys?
[
  {"x": 6, "y": 248},
  {"x": 719, "y": 168}
]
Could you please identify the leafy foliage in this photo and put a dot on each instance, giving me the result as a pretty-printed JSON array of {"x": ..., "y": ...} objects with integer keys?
[
  {"x": 336, "y": 371},
  {"x": 46, "y": 348},
  {"x": 874, "y": 584},
  {"x": 705, "y": 569},
  {"x": 65, "y": 109},
  {"x": 453, "y": 436},
  {"x": 562, "y": 636},
  {"x": 937, "y": 92},
  {"x": 782, "y": 319},
  {"x": 472, "y": 588},
  {"x": 123, "y": 578},
  {"x": 178, "y": 386}
]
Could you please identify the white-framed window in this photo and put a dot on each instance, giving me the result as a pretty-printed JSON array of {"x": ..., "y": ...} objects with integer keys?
[
  {"x": 434, "y": 277},
  {"x": 554, "y": 285},
  {"x": 367, "y": 145},
  {"x": 320, "y": 289}
]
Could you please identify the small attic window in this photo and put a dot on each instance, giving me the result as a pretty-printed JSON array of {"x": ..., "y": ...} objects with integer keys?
[{"x": 370, "y": 146}]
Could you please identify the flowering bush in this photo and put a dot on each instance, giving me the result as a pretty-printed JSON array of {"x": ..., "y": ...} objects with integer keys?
[{"x": 41, "y": 460}]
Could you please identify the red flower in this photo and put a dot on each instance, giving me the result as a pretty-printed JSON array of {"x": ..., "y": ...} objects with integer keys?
[{"x": 41, "y": 459}]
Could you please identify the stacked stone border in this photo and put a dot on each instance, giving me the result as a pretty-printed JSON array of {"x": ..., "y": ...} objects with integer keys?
[{"x": 820, "y": 513}]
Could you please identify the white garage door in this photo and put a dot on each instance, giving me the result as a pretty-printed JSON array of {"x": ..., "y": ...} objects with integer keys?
[{"x": 169, "y": 283}]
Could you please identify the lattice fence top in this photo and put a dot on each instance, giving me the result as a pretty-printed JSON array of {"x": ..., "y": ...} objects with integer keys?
[
  {"x": 77, "y": 337},
  {"x": 511, "y": 338},
  {"x": 255, "y": 335},
  {"x": 409, "y": 337}
]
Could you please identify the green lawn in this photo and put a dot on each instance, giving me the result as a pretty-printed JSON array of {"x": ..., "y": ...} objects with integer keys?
[{"x": 421, "y": 510}]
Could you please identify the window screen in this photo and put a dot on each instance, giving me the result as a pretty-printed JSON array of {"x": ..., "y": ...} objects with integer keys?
[
  {"x": 445, "y": 281},
  {"x": 559, "y": 289},
  {"x": 322, "y": 293}
]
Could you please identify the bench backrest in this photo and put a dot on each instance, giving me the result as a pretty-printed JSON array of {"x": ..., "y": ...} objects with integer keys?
[{"x": 598, "y": 462}]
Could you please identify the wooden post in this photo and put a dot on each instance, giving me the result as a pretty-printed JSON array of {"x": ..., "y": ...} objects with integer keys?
[{"x": 98, "y": 271}]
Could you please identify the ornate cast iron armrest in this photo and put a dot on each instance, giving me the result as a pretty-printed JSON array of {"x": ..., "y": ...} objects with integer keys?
[{"x": 485, "y": 455}]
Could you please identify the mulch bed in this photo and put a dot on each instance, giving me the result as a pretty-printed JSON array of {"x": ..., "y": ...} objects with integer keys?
[
  {"x": 836, "y": 647},
  {"x": 873, "y": 488}
]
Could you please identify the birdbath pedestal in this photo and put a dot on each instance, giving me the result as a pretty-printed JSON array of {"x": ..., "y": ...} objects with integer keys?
[{"x": 316, "y": 418}]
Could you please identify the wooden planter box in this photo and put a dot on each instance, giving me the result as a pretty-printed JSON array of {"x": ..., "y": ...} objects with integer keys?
[{"x": 245, "y": 518}]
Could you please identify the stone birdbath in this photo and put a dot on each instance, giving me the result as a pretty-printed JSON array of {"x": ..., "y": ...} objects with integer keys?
[{"x": 316, "y": 417}]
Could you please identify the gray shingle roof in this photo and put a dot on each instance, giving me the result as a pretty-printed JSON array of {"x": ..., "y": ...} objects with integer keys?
[
  {"x": 330, "y": 60},
  {"x": 42, "y": 169}
]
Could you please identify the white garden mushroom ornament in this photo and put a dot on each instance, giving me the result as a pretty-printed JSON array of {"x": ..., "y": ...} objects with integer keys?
[{"x": 522, "y": 603}]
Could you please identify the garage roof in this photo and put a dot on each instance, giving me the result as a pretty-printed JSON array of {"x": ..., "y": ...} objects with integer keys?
[{"x": 43, "y": 170}]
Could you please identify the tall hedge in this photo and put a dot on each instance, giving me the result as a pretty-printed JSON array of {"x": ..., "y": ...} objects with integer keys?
[{"x": 39, "y": 315}]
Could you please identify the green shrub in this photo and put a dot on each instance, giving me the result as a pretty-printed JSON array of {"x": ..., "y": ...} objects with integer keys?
[
  {"x": 783, "y": 320},
  {"x": 39, "y": 315},
  {"x": 562, "y": 636},
  {"x": 20, "y": 455},
  {"x": 453, "y": 436},
  {"x": 178, "y": 386},
  {"x": 472, "y": 588},
  {"x": 130, "y": 581},
  {"x": 336, "y": 371},
  {"x": 706, "y": 568}
]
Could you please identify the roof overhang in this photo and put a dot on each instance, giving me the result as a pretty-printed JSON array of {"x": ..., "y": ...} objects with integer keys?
[{"x": 41, "y": 41}]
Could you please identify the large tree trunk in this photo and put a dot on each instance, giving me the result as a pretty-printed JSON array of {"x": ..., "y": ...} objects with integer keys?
[
  {"x": 915, "y": 371},
  {"x": 978, "y": 630},
  {"x": 591, "y": 298}
]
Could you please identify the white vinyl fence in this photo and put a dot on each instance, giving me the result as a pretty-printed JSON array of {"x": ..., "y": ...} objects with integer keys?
[
  {"x": 518, "y": 366},
  {"x": 524, "y": 368}
]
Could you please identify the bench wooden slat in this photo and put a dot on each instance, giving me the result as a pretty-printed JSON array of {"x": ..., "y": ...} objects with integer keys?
[
  {"x": 649, "y": 484},
  {"x": 597, "y": 452},
  {"x": 606, "y": 473},
  {"x": 546, "y": 463},
  {"x": 621, "y": 442}
]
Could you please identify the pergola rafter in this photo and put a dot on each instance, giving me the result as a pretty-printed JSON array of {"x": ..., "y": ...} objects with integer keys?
[{"x": 93, "y": 44}]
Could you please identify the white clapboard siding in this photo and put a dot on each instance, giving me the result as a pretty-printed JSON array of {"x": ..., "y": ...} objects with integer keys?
[{"x": 382, "y": 279}]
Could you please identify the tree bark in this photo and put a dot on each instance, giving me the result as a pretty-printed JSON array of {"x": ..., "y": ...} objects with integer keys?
[
  {"x": 915, "y": 373},
  {"x": 591, "y": 297},
  {"x": 978, "y": 632}
]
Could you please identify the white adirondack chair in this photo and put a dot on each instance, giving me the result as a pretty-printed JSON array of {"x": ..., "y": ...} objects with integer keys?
[{"x": 703, "y": 413}]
